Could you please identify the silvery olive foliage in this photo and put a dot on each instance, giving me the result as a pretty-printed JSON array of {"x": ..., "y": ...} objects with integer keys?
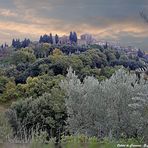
[{"x": 108, "y": 108}]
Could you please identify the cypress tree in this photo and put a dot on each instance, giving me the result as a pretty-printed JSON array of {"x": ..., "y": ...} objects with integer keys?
[
  {"x": 75, "y": 37},
  {"x": 41, "y": 39},
  {"x": 56, "y": 39},
  {"x": 50, "y": 38},
  {"x": 71, "y": 37}
]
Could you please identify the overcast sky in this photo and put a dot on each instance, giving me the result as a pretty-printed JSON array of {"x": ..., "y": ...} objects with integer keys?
[{"x": 113, "y": 20}]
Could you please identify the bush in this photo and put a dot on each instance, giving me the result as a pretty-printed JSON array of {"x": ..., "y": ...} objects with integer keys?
[
  {"x": 46, "y": 112},
  {"x": 104, "y": 109},
  {"x": 5, "y": 129}
]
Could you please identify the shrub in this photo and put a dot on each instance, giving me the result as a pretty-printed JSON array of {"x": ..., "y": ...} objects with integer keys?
[
  {"x": 46, "y": 112},
  {"x": 103, "y": 109},
  {"x": 5, "y": 129}
]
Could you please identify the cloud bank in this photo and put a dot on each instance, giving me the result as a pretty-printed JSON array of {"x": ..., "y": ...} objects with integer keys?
[{"x": 116, "y": 20}]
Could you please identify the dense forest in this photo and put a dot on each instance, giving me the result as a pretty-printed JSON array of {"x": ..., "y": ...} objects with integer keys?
[{"x": 67, "y": 91}]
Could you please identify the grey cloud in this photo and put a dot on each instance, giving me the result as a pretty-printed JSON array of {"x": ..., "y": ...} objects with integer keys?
[{"x": 64, "y": 15}]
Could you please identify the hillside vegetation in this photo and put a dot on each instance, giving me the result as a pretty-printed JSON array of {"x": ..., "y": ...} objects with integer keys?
[{"x": 64, "y": 91}]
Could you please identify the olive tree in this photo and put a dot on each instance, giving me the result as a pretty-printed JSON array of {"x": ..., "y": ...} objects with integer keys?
[{"x": 103, "y": 109}]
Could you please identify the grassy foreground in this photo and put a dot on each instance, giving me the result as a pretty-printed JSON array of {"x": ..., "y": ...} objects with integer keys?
[{"x": 80, "y": 141}]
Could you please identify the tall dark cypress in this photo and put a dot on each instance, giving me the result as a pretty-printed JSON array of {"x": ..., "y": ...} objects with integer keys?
[
  {"x": 75, "y": 37},
  {"x": 13, "y": 42},
  {"x": 71, "y": 37},
  {"x": 56, "y": 39},
  {"x": 51, "y": 39},
  {"x": 41, "y": 39}
]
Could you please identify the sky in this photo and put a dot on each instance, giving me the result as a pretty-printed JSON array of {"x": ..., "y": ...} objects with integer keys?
[{"x": 111, "y": 20}]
